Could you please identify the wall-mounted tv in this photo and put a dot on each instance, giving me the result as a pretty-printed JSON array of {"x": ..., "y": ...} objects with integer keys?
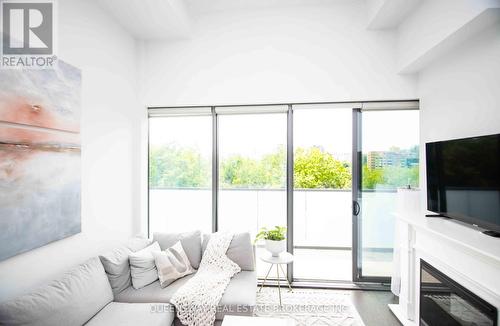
[{"x": 463, "y": 180}]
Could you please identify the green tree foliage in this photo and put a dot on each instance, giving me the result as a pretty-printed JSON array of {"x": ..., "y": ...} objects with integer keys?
[
  {"x": 243, "y": 172},
  {"x": 315, "y": 168},
  {"x": 390, "y": 177},
  {"x": 401, "y": 176},
  {"x": 372, "y": 177},
  {"x": 179, "y": 167}
]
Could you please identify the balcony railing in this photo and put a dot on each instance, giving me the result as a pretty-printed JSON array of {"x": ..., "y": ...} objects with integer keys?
[
  {"x": 322, "y": 223},
  {"x": 322, "y": 217}
]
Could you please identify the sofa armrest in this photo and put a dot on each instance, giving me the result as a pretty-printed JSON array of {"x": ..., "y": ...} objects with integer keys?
[{"x": 254, "y": 250}]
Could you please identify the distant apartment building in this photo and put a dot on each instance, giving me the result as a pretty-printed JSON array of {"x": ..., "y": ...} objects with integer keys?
[{"x": 399, "y": 158}]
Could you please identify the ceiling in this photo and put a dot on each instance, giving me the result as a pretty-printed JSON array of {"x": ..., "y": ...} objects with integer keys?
[
  {"x": 151, "y": 19},
  {"x": 425, "y": 29},
  {"x": 207, "y": 6},
  {"x": 172, "y": 19}
]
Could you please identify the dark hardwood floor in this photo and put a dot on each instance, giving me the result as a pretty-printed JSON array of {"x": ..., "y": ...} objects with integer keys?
[{"x": 372, "y": 307}]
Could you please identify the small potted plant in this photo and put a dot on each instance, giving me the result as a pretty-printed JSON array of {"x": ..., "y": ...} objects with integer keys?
[{"x": 275, "y": 239}]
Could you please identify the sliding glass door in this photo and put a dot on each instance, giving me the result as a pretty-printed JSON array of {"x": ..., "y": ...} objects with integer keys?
[
  {"x": 388, "y": 158},
  {"x": 322, "y": 216},
  {"x": 328, "y": 172}
]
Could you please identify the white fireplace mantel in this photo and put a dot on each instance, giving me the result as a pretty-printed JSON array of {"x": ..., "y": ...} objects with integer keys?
[
  {"x": 459, "y": 250},
  {"x": 467, "y": 237}
]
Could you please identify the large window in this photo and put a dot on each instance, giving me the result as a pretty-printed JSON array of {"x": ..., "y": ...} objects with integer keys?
[
  {"x": 328, "y": 172},
  {"x": 252, "y": 167},
  {"x": 180, "y": 173},
  {"x": 252, "y": 173}
]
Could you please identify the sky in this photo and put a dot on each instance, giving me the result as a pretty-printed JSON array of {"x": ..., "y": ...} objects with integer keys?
[{"x": 256, "y": 134}]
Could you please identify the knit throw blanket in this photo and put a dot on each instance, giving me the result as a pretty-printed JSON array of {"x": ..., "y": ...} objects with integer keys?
[{"x": 196, "y": 302}]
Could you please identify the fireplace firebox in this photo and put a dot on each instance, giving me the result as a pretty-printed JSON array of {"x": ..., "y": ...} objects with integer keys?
[{"x": 444, "y": 302}]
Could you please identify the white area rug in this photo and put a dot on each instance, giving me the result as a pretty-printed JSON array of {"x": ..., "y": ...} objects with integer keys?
[{"x": 309, "y": 307}]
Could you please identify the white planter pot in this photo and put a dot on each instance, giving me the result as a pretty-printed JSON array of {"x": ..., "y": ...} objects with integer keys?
[{"x": 275, "y": 247}]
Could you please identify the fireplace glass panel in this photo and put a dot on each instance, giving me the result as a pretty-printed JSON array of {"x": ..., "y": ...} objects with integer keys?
[{"x": 443, "y": 302}]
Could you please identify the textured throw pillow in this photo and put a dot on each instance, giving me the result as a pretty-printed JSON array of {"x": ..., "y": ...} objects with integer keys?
[
  {"x": 172, "y": 264},
  {"x": 116, "y": 263},
  {"x": 142, "y": 266},
  {"x": 191, "y": 242}
]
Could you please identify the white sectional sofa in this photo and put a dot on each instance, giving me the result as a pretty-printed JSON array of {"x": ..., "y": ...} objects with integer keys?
[{"x": 99, "y": 292}]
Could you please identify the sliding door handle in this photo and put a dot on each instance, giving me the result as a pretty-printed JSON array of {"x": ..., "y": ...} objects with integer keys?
[{"x": 355, "y": 208}]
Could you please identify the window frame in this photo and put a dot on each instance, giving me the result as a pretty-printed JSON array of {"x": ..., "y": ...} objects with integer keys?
[{"x": 216, "y": 110}]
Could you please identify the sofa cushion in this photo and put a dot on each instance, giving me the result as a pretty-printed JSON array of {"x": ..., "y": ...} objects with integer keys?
[
  {"x": 142, "y": 266},
  {"x": 152, "y": 292},
  {"x": 116, "y": 263},
  {"x": 133, "y": 314},
  {"x": 238, "y": 299},
  {"x": 70, "y": 300},
  {"x": 240, "y": 250},
  {"x": 191, "y": 242},
  {"x": 240, "y": 296}
]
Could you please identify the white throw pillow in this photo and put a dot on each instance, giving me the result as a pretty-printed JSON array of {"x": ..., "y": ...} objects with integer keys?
[
  {"x": 142, "y": 266},
  {"x": 172, "y": 264}
]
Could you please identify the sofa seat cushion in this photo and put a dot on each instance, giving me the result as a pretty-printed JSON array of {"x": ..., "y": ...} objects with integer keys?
[
  {"x": 238, "y": 299},
  {"x": 240, "y": 296},
  {"x": 133, "y": 314},
  {"x": 70, "y": 300},
  {"x": 152, "y": 292}
]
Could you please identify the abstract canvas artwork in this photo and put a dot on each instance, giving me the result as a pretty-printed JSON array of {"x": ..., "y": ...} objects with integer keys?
[{"x": 39, "y": 157}]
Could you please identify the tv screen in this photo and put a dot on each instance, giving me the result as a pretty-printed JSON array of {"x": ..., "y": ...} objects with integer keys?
[{"x": 463, "y": 180}]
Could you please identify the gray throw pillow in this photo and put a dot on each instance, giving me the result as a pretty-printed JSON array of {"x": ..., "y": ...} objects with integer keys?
[
  {"x": 72, "y": 299},
  {"x": 240, "y": 250},
  {"x": 172, "y": 264},
  {"x": 117, "y": 266},
  {"x": 142, "y": 266},
  {"x": 191, "y": 242}
]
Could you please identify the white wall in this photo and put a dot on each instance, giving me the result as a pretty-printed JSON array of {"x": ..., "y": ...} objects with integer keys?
[
  {"x": 91, "y": 41},
  {"x": 296, "y": 53},
  {"x": 460, "y": 94}
]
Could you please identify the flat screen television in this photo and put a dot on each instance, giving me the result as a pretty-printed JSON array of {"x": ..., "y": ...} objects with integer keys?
[{"x": 463, "y": 180}]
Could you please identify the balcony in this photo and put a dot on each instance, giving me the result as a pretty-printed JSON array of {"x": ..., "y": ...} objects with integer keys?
[{"x": 322, "y": 224}]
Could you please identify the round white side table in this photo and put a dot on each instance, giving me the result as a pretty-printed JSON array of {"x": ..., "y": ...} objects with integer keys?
[{"x": 283, "y": 259}]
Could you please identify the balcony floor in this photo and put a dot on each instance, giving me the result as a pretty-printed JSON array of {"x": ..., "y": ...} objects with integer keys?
[{"x": 331, "y": 265}]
